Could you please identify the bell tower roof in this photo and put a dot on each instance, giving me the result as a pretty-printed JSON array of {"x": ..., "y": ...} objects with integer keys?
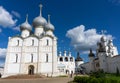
[
  {"x": 91, "y": 54},
  {"x": 78, "y": 57}
]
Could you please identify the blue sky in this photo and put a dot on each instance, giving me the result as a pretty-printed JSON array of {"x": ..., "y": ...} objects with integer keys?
[{"x": 68, "y": 17}]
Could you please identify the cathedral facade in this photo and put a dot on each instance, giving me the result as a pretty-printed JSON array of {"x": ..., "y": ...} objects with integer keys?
[
  {"x": 32, "y": 53},
  {"x": 36, "y": 52}
]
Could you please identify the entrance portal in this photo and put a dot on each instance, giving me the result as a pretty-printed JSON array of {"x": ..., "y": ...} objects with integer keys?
[{"x": 31, "y": 70}]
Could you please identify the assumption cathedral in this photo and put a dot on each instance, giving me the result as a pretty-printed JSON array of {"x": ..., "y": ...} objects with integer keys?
[{"x": 36, "y": 53}]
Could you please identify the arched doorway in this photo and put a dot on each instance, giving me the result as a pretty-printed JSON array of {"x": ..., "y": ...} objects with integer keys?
[
  {"x": 67, "y": 71},
  {"x": 31, "y": 70}
]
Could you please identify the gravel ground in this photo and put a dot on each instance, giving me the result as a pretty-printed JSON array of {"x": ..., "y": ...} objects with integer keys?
[{"x": 38, "y": 80}]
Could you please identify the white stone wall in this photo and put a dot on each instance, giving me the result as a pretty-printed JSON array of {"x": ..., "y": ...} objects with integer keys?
[
  {"x": 25, "y": 33},
  {"x": 64, "y": 66},
  {"x": 31, "y": 51},
  {"x": 86, "y": 67},
  {"x": 38, "y": 30}
]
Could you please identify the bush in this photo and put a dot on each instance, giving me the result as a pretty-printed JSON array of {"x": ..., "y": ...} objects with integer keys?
[
  {"x": 94, "y": 80},
  {"x": 80, "y": 79},
  {"x": 98, "y": 74}
]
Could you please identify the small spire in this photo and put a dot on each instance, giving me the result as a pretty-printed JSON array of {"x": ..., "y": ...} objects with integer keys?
[
  {"x": 69, "y": 53},
  {"x": 60, "y": 53},
  {"x": 64, "y": 53},
  {"x": 90, "y": 50},
  {"x": 48, "y": 18},
  {"x": 78, "y": 54},
  {"x": 26, "y": 18},
  {"x": 91, "y": 54},
  {"x": 40, "y": 9}
]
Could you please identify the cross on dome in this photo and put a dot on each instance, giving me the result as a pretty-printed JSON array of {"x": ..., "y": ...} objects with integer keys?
[
  {"x": 48, "y": 18},
  {"x": 26, "y": 18},
  {"x": 40, "y": 9}
]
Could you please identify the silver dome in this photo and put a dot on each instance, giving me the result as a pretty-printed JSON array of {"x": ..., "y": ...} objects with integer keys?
[
  {"x": 26, "y": 25},
  {"x": 49, "y": 26},
  {"x": 103, "y": 38},
  {"x": 39, "y": 21}
]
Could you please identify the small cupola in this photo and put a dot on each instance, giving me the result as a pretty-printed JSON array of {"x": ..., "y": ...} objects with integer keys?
[
  {"x": 26, "y": 25},
  {"x": 49, "y": 26}
]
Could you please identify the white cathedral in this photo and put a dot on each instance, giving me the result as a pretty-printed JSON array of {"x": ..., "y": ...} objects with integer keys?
[{"x": 36, "y": 53}]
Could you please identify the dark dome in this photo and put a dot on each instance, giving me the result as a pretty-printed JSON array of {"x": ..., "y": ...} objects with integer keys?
[
  {"x": 91, "y": 54},
  {"x": 78, "y": 57}
]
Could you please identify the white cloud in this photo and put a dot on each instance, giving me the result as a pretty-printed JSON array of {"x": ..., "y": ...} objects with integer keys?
[
  {"x": 17, "y": 28},
  {"x": 2, "y": 52},
  {"x": 16, "y": 14},
  {"x": 83, "y": 40},
  {"x": 6, "y": 19}
]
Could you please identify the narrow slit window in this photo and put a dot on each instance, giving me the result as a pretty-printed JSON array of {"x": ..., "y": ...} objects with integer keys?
[
  {"x": 18, "y": 42},
  {"x": 32, "y": 42},
  {"x": 47, "y": 42},
  {"x": 16, "y": 58},
  {"x": 31, "y": 58},
  {"x": 46, "y": 57}
]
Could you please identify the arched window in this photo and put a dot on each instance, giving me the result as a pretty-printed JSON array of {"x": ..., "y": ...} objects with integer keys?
[
  {"x": 31, "y": 58},
  {"x": 71, "y": 59},
  {"x": 66, "y": 59},
  {"x": 46, "y": 57},
  {"x": 61, "y": 58},
  {"x": 47, "y": 42},
  {"x": 32, "y": 42},
  {"x": 16, "y": 58}
]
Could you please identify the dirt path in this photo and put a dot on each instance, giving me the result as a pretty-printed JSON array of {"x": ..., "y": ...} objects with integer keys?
[{"x": 38, "y": 80}]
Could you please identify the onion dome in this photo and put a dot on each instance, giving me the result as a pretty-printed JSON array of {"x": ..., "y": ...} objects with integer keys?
[
  {"x": 26, "y": 25},
  {"x": 49, "y": 26},
  {"x": 39, "y": 21},
  {"x": 103, "y": 38},
  {"x": 78, "y": 57},
  {"x": 91, "y": 54}
]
